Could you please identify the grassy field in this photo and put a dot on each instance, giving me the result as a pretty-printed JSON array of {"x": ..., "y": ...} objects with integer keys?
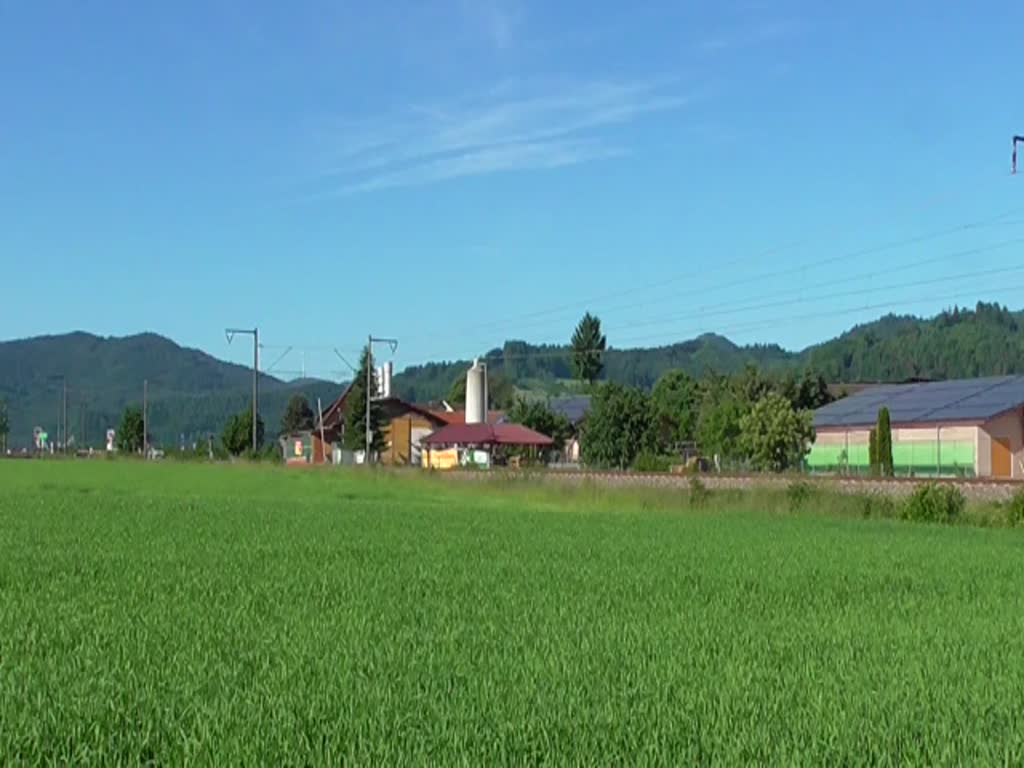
[{"x": 224, "y": 615}]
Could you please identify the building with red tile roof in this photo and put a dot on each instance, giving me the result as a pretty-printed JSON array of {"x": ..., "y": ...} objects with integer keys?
[{"x": 486, "y": 435}]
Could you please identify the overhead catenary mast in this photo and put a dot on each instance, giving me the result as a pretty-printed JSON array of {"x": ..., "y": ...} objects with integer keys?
[
  {"x": 255, "y": 333},
  {"x": 1016, "y": 141}
]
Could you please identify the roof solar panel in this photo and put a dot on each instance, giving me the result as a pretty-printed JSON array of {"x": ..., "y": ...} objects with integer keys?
[{"x": 955, "y": 400}]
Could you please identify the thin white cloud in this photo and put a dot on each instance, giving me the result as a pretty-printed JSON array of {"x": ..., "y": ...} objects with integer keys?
[
  {"x": 514, "y": 128},
  {"x": 513, "y": 157},
  {"x": 498, "y": 21},
  {"x": 748, "y": 36}
]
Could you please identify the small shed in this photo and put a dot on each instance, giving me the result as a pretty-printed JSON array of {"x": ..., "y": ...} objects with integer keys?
[
  {"x": 304, "y": 447},
  {"x": 467, "y": 440}
]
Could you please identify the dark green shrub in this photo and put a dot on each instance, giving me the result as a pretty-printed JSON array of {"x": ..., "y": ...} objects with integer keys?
[
  {"x": 1014, "y": 510},
  {"x": 798, "y": 494},
  {"x": 699, "y": 493},
  {"x": 877, "y": 505},
  {"x": 934, "y": 503},
  {"x": 652, "y": 462}
]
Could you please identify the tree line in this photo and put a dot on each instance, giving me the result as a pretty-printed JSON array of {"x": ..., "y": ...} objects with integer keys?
[
  {"x": 751, "y": 419},
  {"x": 984, "y": 340},
  {"x": 748, "y": 419}
]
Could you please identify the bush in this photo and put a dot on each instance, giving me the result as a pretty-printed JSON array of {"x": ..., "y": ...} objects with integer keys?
[
  {"x": 798, "y": 494},
  {"x": 652, "y": 462},
  {"x": 699, "y": 493},
  {"x": 1015, "y": 510},
  {"x": 272, "y": 454},
  {"x": 934, "y": 503},
  {"x": 877, "y": 505}
]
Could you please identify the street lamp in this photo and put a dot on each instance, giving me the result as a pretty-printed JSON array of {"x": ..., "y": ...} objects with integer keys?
[{"x": 255, "y": 333}]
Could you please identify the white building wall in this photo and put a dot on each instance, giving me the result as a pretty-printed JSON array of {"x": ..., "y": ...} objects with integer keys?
[{"x": 899, "y": 435}]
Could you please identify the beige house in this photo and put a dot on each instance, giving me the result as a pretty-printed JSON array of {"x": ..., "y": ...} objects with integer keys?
[{"x": 968, "y": 428}]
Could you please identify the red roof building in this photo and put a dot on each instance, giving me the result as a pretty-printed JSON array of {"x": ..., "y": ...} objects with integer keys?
[
  {"x": 486, "y": 435},
  {"x": 459, "y": 417}
]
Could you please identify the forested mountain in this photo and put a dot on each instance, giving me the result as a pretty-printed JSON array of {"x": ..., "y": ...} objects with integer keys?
[
  {"x": 190, "y": 393},
  {"x": 958, "y": 343},
  {"x": 545, "y": 365},
  {"x": 193, "y": 394},
  {"x": 986, "y": 340}
]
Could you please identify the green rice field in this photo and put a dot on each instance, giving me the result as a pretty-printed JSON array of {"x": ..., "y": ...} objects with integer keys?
[{"x": 225, "y": 615}]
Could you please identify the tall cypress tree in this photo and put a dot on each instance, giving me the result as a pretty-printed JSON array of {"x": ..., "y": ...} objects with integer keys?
[
  {"x": 5, "y": 426},
  {"x": 588, "y": 346},
  {"x": 884, "y": 438},
  {"x": 355, "y": 412}
]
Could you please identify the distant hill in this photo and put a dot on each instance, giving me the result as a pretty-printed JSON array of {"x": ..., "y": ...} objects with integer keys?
[
  {"x": 986, "y": 340},
  {"x": 544, "y": 366},
  {"x": 190, "y": 392},
  {"x": 959, "y": 343},
  {"x": 193, "y": 394}
]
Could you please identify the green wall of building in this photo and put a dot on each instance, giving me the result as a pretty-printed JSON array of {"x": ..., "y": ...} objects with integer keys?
[{"x": 918, "y": 458}]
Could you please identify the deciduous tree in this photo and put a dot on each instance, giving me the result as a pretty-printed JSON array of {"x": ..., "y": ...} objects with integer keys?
[
  {"x": 237, "y": 435},
  {"x": 675, "y": 404},
  {"x": 618, "y": 427},
  {"x": 130, "y": 432},
  {"x": 298, "y": 415},
  {"x": 718, "y": 420},
  {"x": 774, "y": 436},
  {"x": 539, "y": 417}
]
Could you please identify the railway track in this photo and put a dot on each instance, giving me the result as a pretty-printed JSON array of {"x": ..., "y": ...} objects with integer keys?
[{"x": 981, "y": 489}]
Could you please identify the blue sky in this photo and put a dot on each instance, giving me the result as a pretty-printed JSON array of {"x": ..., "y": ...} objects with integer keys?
[{"x": 459, "y": 172}]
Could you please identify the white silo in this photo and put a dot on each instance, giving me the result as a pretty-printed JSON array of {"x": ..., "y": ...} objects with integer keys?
[
  {"x": 476, "y": 393},
  {"x": 389, "y": 370}
]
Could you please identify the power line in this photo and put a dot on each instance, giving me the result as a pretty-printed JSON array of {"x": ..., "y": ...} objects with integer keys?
[
  {"x": 925, "y": 237},
  {"x": 869, "y": 275},
  {"x": 761, "y": 323},
  {"x": 902, "y": 243},
  {"x": 835, "y": 295},
  {"x": 776, "y": 321},
  {"x": 725, "y": 310}
]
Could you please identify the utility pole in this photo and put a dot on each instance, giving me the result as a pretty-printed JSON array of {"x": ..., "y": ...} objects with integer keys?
[
  {"x": 65, "y": 411},
  {"x": 145, "y": 425},
  {"x": 255, "y": 333},
  {"x": 393, "y": 343},
  {"x": 369, "y": 393},
  {"x": 62, "y": 415}
]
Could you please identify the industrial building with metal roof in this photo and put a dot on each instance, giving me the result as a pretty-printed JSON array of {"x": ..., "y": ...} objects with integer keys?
[{"x": 964, "y": 427}]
